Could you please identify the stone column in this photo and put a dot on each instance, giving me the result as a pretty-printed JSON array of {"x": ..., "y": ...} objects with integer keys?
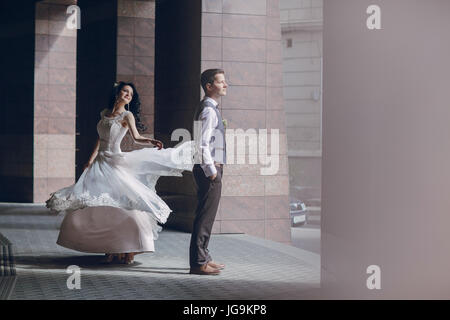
[
  {"x": 136, "y": 56},
  {"x": 54, "y": 99},
  {"x": 244, "y": 38}
]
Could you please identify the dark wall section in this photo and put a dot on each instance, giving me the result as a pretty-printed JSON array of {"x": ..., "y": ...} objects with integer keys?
[
  {"x": 17, "y": 91},
  {"x": 96, "y": 71},
  {"x": 177, "y": 94},
  {"x": 177, "y": 65}
]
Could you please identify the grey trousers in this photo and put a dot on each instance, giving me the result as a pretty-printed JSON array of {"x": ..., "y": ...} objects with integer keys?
[{"x": 208, "y": 195}]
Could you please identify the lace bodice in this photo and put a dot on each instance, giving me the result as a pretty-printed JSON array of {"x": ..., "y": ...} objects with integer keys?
[{"x": 111, "y": 131}]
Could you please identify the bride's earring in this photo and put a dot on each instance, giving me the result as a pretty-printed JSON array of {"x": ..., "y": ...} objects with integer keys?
[{"x": 128, "y": 106}]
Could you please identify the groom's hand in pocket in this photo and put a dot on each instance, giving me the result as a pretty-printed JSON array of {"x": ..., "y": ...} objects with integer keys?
[{"x": 213, "y": 177}]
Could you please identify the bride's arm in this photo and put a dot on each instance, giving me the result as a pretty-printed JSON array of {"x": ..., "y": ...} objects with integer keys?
[
  {"x": 135, "y": 134},
  {"x": 93, "y": 155}
]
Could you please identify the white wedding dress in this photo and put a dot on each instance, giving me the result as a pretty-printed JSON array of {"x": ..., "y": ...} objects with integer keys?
[{"x": 113, "y": 207}]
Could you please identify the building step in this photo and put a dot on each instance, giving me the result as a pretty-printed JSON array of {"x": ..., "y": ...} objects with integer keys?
[
  {"x": 8, "y": 275},
  {"x": 7, "y": 285},
  {"x": 181, "y": 221},
  {"x": 7, "y": 265},
  {"x": 183, "y": 214}
]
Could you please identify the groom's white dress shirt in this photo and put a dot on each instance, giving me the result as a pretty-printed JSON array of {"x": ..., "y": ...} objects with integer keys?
[{"x": 209, "y": 123}]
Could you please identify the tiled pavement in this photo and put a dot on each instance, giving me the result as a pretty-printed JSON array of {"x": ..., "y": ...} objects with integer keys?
[{"x": 256, "y": 268}]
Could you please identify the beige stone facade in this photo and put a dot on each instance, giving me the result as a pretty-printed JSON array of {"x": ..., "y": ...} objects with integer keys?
[{"x": 302, "y": 32}]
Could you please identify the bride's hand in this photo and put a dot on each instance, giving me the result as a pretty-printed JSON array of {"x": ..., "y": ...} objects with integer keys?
[{"x": 157, "y": 143}]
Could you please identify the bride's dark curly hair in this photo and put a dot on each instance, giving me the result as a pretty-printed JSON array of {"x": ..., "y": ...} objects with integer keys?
[{"x": 134, "y": 106}]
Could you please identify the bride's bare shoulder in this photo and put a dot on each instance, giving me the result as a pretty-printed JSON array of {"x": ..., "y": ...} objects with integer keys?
[{"x": 129, "y": 115}]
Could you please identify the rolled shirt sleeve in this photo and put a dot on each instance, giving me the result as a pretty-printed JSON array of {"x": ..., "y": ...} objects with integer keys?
[{"x": 209, "y": 122}]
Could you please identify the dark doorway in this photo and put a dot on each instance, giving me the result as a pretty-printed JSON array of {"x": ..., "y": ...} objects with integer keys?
[
  {"x": 17, "y": 35},
  {"x": 177, "y": 94},
  {"x": 96, "y": 71},
  {"x": 177, "y": 65}
]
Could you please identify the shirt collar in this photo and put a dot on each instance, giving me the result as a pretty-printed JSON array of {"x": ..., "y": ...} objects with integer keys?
[{"x": 214, "y": 102}]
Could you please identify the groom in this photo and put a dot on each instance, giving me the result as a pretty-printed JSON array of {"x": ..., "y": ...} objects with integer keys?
[{"x": 208, "y": 174}]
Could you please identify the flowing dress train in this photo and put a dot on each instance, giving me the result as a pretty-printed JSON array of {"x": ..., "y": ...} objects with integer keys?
[{"x": 113, "y": 207}]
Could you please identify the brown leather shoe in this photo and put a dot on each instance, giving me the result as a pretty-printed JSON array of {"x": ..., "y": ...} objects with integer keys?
[
  {"x": 217, "y": 266},
  {"x": 205, "y": 270}
]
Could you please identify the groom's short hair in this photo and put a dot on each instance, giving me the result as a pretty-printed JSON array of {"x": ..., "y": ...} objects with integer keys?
[{"x": 208, "y": 76}]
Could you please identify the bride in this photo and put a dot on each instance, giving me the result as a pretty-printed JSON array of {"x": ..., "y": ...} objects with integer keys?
[{"x": 113, "y": 208}]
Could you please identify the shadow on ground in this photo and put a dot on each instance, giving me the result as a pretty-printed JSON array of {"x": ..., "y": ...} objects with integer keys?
[{"x": 92, "y": 262}]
